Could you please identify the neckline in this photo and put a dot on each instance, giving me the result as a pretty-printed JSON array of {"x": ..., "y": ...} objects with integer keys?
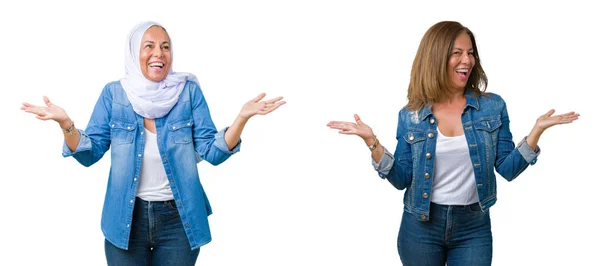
[
  {"x": 446, "y": 137},
  {"x": 149, "y": 132}
]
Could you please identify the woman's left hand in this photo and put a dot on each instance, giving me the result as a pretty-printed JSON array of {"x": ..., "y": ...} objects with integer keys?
[
  {"x": 256, "y": 106},
  {"x": 547, "y": 120}
]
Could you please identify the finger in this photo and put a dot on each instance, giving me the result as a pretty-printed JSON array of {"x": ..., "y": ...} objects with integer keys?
[
  {"x": 339, "y": 124},
  {"x": 570, "y": 118},
  {"x": 47, "y": 101},
  {"x": 273, "y": 107},
  {"x": 549, "y": 113},
  {"x": 259, "y": 97},
  {"x": 345, "y": 127},
  {"x": 358, "y": 121},
  {"x": 570, "y": 113},
  {"x": 33, "y": 110},
  {"x": 274, "y": 100}
]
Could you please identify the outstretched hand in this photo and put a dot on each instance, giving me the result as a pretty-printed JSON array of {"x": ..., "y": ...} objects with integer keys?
[
  {"x": 256, "y": 106},
  {"x": 349, "y": 128},
  {"x": 547, "y": 120},
  {"x": 48, "y": 112}
]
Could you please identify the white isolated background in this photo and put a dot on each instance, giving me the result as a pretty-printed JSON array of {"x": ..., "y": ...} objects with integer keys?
[{"x": 298, "y": 193}]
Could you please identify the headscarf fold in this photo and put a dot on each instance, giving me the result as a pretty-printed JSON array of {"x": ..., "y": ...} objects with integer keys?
[{"x": 150, "y": 99}]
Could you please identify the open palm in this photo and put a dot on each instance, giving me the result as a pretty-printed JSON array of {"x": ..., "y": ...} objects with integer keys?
[
  {"x": 256, "y": 106},
  {"x": 48, "y": 112},
  {"x": 547, "y": 120}
]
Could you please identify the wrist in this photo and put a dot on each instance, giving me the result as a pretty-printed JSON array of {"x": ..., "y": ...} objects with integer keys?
[
  {"x": 370, "y": 141},
  {"x": 242, "y": 118},
  {"x": 536, "y": 130},
  {"x": 65, "y": 124},
  {"x": 372, "y": 144}
]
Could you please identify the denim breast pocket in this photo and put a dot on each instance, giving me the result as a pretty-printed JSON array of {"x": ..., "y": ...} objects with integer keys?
[
  {"x": 122, "y": 132},
  {"x": 180, "y": 132},
  {"x": 416, "y": 139},
  {"x": 487, "y": 130}
]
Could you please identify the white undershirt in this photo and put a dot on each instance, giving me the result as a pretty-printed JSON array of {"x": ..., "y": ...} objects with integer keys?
[
  {"x": 154, "y": 185},
  {"x": 453, "y": 180}
]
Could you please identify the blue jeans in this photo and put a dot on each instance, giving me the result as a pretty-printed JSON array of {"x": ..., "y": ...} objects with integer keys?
[
  {"x": 157, "y": 238},
  {"x": 457, "y": 235}
]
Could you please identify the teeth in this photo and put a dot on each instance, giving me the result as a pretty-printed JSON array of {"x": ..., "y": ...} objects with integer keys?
[
  {"x": 157, "y": 65},
  {"x": 462, "y": 70}
]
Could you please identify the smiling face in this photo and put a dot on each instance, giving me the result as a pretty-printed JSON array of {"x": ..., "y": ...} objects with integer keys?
[
  {"x": 461, "y": 62},
  {"x": 155, "y": 54}
]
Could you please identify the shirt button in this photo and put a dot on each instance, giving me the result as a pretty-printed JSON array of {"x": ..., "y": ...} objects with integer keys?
[
  {"x": 411, "y": 137},
  {"x": 134, "y": 179},
  {"x": 189, "y": 124},
  {"x": 431, "y": 121},
  {"x": 131, "y": 201},
  {"x": 142, "y": 132},
  {"x": 127, "y": 225},
  {"x": 128, "y": 128},
  {"x": 113, "y": 125},
  {"x": 430, "y": 135},
  {"x": 425, "y": 195},
  {"x": 139, "y": 155},
  {"x": 165, "y": 159},
  {"x": 426, "y": 175},
  {"x": 423, "y": 217},
  {"x": 428, "y": 155},
  {"x": 174, "y": 128}
]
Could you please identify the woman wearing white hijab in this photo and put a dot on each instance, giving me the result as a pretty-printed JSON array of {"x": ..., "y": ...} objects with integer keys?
[{"x": 158, "y": 126}]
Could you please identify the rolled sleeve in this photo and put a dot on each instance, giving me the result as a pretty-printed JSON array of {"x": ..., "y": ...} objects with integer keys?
[
  {"x": 385, "y": 163},
  {"x": 222, "y": 145},
  {"x": 528, "y": 154},
  {"x": 85, "y": 144}
]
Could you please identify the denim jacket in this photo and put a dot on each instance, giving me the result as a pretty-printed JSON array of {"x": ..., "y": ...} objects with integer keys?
[
  {"x": 486, "y": 128},
  {"x": 185, "y": 136}
]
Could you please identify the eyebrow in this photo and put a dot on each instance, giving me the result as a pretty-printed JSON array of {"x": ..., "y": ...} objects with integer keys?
[
  {"x": 455, "y": 48},
  {"x": 165, "y": 42}
]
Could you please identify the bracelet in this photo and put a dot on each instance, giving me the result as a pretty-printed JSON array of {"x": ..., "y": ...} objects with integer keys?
[
  {"x": 372, "y": 148},
  {"x": 70, "y": 129}
]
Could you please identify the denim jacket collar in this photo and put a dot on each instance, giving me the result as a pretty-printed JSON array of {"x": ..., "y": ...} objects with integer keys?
[{"x": 472, "y": 101}]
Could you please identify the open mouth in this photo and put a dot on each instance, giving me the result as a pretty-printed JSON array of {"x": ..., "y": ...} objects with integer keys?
[
  {"x": 157, "y": 65},
  {"x": 462, "y": 73}
]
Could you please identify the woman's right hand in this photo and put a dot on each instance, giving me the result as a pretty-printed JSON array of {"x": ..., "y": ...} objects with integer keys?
[
  {"x": 48, "y": 112},
  {"x": 359, "y": 128}
]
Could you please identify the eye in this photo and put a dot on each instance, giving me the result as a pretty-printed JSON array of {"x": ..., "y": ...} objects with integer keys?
[
  {"x": 471, "y": 53},
  {"x": 456, "y": 53},
  {"x": 166, "y": 47},
  {"x": 148, "y": 46}
]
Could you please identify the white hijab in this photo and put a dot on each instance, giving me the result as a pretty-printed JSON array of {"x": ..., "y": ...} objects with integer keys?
[{"x": 150, "y": 99}]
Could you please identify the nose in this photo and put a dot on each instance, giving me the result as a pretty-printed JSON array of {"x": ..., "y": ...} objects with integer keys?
[
  {"x": 157, "y": 52},
  {"x": 466, "y": 58}
]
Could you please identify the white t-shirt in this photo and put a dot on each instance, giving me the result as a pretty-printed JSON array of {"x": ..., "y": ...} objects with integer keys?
[
  {"x": 453, "y": 180},
  {"x": 154, "y": 185}
]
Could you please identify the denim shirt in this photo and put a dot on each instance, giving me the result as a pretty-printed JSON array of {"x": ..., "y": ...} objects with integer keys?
[
  {"x": 486, "y": 127},
  {"x": 185, "y": 136}
]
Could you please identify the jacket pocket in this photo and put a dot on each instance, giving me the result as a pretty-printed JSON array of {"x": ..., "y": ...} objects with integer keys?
[
  {"x": 180, "y": 132},
  {"x": 416, "y": 140},
  {"x": 487, "y": 129},
  {"x": 489, "y": 125},
  {"x": 122, "y": 132}
]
